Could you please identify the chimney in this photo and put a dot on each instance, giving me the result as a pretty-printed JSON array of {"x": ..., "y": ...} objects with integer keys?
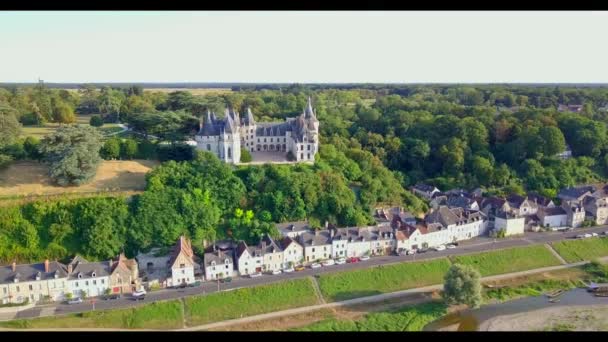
[
  {"x": 14, "y": 266},
  {"x": 331, "y": 233},
  {"x": 46, "y": 266},
  {"x": 316, "y": 232},
  {"x": 70, "y": 269},
  {"x": 326, "y": 224},
  {"x": 263, "y": 244}
]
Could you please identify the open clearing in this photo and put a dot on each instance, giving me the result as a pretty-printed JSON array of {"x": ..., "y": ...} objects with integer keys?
[
  {"x": 27, "y": 178},
  {"x": 48, "y": 128},
  {"x": 509, "y": 260},
  {"x": 579, "y": 250}
]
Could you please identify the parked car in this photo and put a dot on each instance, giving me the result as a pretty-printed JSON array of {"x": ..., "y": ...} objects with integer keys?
[
  {"x": 353, "y": 260},
  {"x": 328, "y": 262},
  {"x": 439, "y": 248},
  {"x": 300, "y": 268},
  {"x": 181, "y": 286},
  {"x": 580, "y": 236},
  {"x": 139, "y": 293},
  {"x": 364, "y": 258},
  {"x": 142, "y": 297},
  {"x": 275, "y": 272},
  {"x": 594, "y": 234},
  {"x": 195, "y": 284},
  {"x": 77, "y": 300},
  {"x": 411, "y": 252},
  {"x": 450, "y": 246},
  {"x": 226, "y": 280},
  {"x": 315, "y": 265},
  {"x": 341, "y": 261},
  {"x": 255, "y": 275},
  {"x": 288, "y": 270},
  {"x": 588, "y": 235},
  {"x": 422, "y": 250},
  {"x": 605, "y": 233},
  {"x": 112, "y": 296}
]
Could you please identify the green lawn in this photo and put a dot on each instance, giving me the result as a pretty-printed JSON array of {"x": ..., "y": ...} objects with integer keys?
[
  {"x": 509, "y": 260},
  {"x": 159, "y": 315},
  {"x": 249, "y": 301},
  {"x": 48, "y": 128},
  {"x": 410, "y": 318},
  {"x": 579, "y": 250},
  {"x": 381, "y": 279}
]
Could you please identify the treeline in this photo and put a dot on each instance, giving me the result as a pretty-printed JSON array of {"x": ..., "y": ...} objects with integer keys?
[{"x": 206, "y": 200}]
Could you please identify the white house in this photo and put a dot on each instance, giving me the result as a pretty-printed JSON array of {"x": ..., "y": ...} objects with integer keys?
[
  {"x": 293, "y": 253},
  {"x": 317, "y": 245},
  {"x": 272, "y": 254},
  {"x": 293, "y": 229},
  {"x": 181, "y": 263},
  {"x": 553, "y": 217},
  {"x": 33, "y": 282},
  {"x": 90, "y": 278},
  {"x": 218, "y": 265},
  {"x": 511, "y": 224},
  {"x": 425, "y": 190},
  {"x": 249, "y": 259}
]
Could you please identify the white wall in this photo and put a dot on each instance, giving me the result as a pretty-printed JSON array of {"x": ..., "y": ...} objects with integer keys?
[
  {"x": 248, "y": 264},
  {"x": 181, "y": 275},
  {"x": 512, "y": 226},
  {"x": 555, "y": 221},
  {"x": 221, "y": 270},
  {"x": 313, "y": 253},
  {"x": 293, "y": 253},
  {"x": 358, "y": 249},
  {"x": 93, "y": 286}
]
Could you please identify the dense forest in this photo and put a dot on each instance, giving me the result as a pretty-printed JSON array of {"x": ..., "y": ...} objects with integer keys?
[{"x": 376, "y": 141}]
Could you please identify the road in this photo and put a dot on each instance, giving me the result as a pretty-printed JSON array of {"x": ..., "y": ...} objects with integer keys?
[{"x": 476, "y": 245}]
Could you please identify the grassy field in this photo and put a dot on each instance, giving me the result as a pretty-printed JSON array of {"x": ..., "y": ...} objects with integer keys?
[
  {"x": 579, "y": 250},
  {"x": 409, "y": 318},
  {"x": 509, "y": 260},
  {"x": 249, "y": 301},
  {"x": 160, "y": 315},
  {"x": 26, "y": 178},
  {"x": 382, "y": 279},
  {"x": 48, "y": 128}
]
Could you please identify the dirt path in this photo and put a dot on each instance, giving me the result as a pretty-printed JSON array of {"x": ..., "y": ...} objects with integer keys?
[
  {"x": 559, "y": 257},
  {"x": 315, "y": 285}
]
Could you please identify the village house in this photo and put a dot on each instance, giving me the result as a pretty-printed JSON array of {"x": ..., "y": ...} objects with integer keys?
[
  {"x": 552, "y": 217},
  {"x": 511, "y": 224},
  {"x": 33, "y": 282},
  {"x": 385, "y": 217},
  {"x": 249, "y": 259},
  {"x": 424, "y": 190},
  {"x": 522, "y": 205},
  {"x": 358, "y": 242},
  {"x": 218, "y": 264},
  {"x": 575, "y": 213},
  {"x": 317, "y": 245},
  {"x": 181, "y": 263},
  {"x": 461, "y": 224},
  {"x": 293, "y": 229},
  {"x": 125, "y": 275},
  {"x": 570, "y": 108},
  {"x": 596, "y": 208},
  {"x": 293, "y": 253},
  {"x": 575, "y": 193},
  {"x": 90, "y": 279},
  {"x": 153, "y": 267}
]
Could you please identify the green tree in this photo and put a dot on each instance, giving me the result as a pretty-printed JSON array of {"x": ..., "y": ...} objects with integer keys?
[
  {"x": 111, "y": 149},
  {"x": 10, "y": 128},
  {"x": 245, "y": 156},
  {"x": 96, "y": 121},
  {"x": 462, "y": 285},
  {"x": 31, "y": 145},
  {"x": 73, "y": 154},
  {"x": 128, "y": 149},
  {"x": 554, "y": 141}
]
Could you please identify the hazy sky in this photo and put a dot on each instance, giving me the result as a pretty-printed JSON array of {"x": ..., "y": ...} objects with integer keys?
[{"x": 304, "y": 46}]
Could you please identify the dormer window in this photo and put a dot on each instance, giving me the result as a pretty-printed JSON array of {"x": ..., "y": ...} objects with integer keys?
[
  {"x": 227, "y": 261},
  {"x": 93, "y": 275},
  {"x": 213, "y": 263},
  {"x": 79, "y": 275}
]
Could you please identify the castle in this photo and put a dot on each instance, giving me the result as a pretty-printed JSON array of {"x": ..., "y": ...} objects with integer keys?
[{"x": 226, "y": 137}]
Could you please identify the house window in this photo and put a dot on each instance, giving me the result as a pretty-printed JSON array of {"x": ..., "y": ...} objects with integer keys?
[
  {"x": 309, "y": 147},
  {"x": 86, "y": 283},
  {"x": 4, "y": 290},
  {"x": 213, "y": 268},
  {"x": 313, "y": 250},
  {"x": 301, "y": 155},
  {"x": 76, "y": 284},
  {"x": 102, "y": 281},
  {"x": 17, "y": 288},
  {"x": 284, "y": 139},
  {"x": 309, "y": 156},
  {"x": 31, "y": 288},
  {"x": 229, "y": 152},
  {"x": 301, "y": 147},
  {"x": 182, "y": 265},
  {"x": 183, "y": 272},
  {"x": 258, "y": 139},
  {"x": 227, "y": 267},
  {"x": 271, "y": 140},
  {"x": 264, "y": 139},
  {"x": 94, "y": 282}
]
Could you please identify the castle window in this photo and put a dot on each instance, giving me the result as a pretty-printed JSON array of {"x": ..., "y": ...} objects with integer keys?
[
  {"x": 309, "y": 156},
  {"x": 284, "y": 139},
  {"x": 271, "y": 140},
  {"x": 229, "y": 152},
  {"x": 301, "y": 147},
  {"x": 309, "y": 147},
  {"x": 301, "y": 155},
  {"x": 208, "y": 147},
  {"x": 264, "y": 139}
]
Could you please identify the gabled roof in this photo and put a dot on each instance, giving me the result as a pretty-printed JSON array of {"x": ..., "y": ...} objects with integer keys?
[
  {"x": 290, "y": 227},
  {"x": 554, "y": 211},
  {"x": 286, "y": 242},
  {"x": 540, "y": 200},
  {"x": 575, "y": 192},
  {"x": 28, "y": 272},
  {"x": 320, "y": 237},
  {"x": 218, "y": 256},
  {"x": 424, "y": 187},
  {"x": 90, "y": 269},
  {"x": 182, "y": 247}
]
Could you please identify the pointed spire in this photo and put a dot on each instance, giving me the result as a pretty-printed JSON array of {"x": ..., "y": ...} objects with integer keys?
[
  {"x": 250, "y": 119},
  {"x": 309, "y": 112}
]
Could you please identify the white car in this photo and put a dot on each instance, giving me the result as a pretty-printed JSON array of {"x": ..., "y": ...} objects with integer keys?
[
  {"x": 255, "y": 275},
  {"x": 594, "y": 234},
  {"x": 288, "y": 270},
  {"x": 77, "y": 300},
  {"x": 364, "y": 258},
  {"x": 315, "y": 265},
  {"x": 580, "y": 236},
  {"x": 450, "y": 246},
  {"x": 605, "y": 233},
  {"x": 139, "y": 293},
  {"x": 275, "y": 272},
  {"x": 588, "y": 235},
  {"x": 440, "y": 248},
  {"x": 411, "y": 252},
  {"x": 329, "y": 262},
  {"x": 341, "y": 261}
]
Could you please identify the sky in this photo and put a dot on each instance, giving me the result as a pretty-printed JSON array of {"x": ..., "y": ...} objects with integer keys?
[{"x": 304, "y": 47}]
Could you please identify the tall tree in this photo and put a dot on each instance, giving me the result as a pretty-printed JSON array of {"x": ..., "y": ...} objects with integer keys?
[{"x": 462, "y": 285}]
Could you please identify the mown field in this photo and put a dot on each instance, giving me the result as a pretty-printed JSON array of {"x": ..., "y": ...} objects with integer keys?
[
  {"x": 160, "y": 315},
  {"x": 409, "y": 318},
  {"x": 28, "y": 178},
  {"x": 48, "y": 128},
  {"x": 346, "y": 285},
  {"x": 509, "y": 260},
  {"x": 579, "y": 250},
  {"x": 249, "y": 301}
]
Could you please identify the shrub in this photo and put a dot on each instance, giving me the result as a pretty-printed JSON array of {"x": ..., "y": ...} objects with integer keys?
[
  {"x": 245, "y": 156},
  {"x": 96, "y": 121}
]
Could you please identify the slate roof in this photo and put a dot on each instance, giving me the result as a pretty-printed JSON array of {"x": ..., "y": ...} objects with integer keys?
[
  {"x": 575, "y": 192},
  {"x": 84, "y": 269},
  {"x": 554, "y": 211},
  {"x": 286, "y": 242},
  {"x": 424, "y": 187},
  {"x": 218, "y": 256},
  {"x": 320, "y": 237},
  {"x": 540, "y": 200},
  {"x": 290, "y": 227},
  {"x": 28, "y": 272}
]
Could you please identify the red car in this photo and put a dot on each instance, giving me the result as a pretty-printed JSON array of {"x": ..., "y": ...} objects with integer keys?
[{"x": 353, "y": 260}]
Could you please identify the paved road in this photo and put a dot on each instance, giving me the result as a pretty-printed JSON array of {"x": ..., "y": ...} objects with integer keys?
[{"x": 479, "y": 244}]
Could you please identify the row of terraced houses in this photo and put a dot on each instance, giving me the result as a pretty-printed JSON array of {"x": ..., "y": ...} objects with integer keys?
[{"x": 455, "y": 215}]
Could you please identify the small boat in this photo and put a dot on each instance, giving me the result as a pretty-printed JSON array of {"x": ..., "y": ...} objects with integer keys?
[
  {"x": 555, "y": 293},
  {"x": 601, "y": 294}
]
